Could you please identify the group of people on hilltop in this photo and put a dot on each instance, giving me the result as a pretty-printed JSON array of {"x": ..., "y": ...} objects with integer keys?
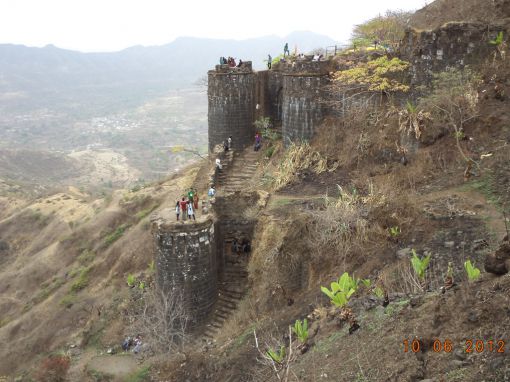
[
  {"x": 230, "y": 61},
  {"x": 187, "y": 205}
]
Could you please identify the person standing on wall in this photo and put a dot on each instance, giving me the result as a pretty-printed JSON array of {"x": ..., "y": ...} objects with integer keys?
[
  {"x": 190, "y": 211},
  {"x": 177, "y": 209},
  {"x": 195, "y": 200},
  {"x": 183, "y": 204},
  {"x": 229, "y": 141},
  {"x": 190, "y": 195},
  {"x": 286, "y": 49},
  {"x": 269, "y": 61}
]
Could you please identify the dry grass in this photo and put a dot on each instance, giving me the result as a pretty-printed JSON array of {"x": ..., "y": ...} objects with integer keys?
[
  {"x": 298, "y": 157},
  {"x": 343, "y": 228},
  {"x": 400, "y": 278}
]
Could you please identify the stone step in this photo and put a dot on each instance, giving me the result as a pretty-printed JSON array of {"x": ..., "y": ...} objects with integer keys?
[
  {"x": 217, "y": 320},
  {"x": 236, "y": 273},
  {"x": 222, "y": 314},
  {"x": 233, "y": 268},
  {"x": 227, "y": 302},
  {"x": 216, "y": 325},
  {"x": 233, "y": 293},
  {"x": 226, "y": 305},
  {"x": 210, "y": 332}
]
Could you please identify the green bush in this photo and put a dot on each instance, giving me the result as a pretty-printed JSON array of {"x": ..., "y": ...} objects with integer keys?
[
  {"x": 82, "y": 281},
  {"x": 115, "y": 235},
  {"x": 131, "y": 280},
  {"x": 86, "y": 257}
]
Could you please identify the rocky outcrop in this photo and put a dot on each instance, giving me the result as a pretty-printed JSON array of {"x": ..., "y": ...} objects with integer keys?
[{"x": 499, "y": 261}]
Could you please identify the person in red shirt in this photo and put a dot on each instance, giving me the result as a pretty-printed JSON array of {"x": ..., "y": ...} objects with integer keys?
[{"x": 184, "y": 206}]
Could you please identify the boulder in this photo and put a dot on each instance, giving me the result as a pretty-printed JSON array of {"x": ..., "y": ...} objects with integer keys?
[{"x": 498, "y": 262}]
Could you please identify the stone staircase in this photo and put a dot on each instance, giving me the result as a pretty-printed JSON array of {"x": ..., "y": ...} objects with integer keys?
[
  {"x": 236, "y": 176},
  {"x": 231, "y": 289}
]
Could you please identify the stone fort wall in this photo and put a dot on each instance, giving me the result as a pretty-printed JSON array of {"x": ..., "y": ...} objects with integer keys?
[
  {"x": 293, "y": 94},
  {"x": 289, "y": 94},
  {"x": 454, "y": 45},
  {"x": 185, "y": 256}
]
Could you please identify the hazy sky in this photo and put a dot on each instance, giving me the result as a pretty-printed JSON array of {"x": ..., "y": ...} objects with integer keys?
[{"x": 106, "y": 25}]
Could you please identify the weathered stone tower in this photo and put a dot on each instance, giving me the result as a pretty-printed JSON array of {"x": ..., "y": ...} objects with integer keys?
[
  {"x": 302, "y": 109},
  {"x": 231, "y": 96},
  {"x": 186, "y": 262}
]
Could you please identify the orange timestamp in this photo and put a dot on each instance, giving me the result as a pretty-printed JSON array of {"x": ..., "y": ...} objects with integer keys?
[{"x": 447, "y": 346}]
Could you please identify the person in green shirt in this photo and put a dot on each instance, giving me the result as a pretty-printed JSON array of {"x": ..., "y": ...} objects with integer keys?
[{"x": 190, "y": 195}]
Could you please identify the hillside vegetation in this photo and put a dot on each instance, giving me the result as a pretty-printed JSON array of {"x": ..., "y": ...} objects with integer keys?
[{"x": 371, "y": 252}]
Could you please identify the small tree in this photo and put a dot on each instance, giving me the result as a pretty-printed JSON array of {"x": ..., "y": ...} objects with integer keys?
[{"x": 387, "y": 30}]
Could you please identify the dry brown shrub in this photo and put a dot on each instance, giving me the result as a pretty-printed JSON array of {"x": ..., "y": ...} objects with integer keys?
[
  {"x": 343, "y": 228},
  {"x": 400, "y": 278},
  {"x": 53, "y": 369},
  {"x": 298, "y": 157}
]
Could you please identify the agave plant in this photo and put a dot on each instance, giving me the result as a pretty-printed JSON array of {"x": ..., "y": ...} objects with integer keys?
[
  {"x": 498, "y": 40},
  {"x": 394, "y": 231},
  {"x": 420, "y": 265},
  {"x": 301, "y": 330},
  {"x": 472, "y": 271},
  {"x": 342, "y": 290},
  {"x": 275, "y": 355}
]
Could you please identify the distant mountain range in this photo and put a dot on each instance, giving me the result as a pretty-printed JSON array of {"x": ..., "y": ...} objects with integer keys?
[{"x": 177, "y": 64}]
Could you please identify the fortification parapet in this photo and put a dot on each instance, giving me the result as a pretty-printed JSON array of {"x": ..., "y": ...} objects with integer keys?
[
  {"x": 306, "y": 65},
  {"x": 186, "y": 262}
]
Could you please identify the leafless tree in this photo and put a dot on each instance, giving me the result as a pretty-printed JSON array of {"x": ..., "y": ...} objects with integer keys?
[{"x": 160, "y": 318}]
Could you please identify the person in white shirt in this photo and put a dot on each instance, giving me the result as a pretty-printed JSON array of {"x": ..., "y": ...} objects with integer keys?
[{"x": 190, "y": 211}]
